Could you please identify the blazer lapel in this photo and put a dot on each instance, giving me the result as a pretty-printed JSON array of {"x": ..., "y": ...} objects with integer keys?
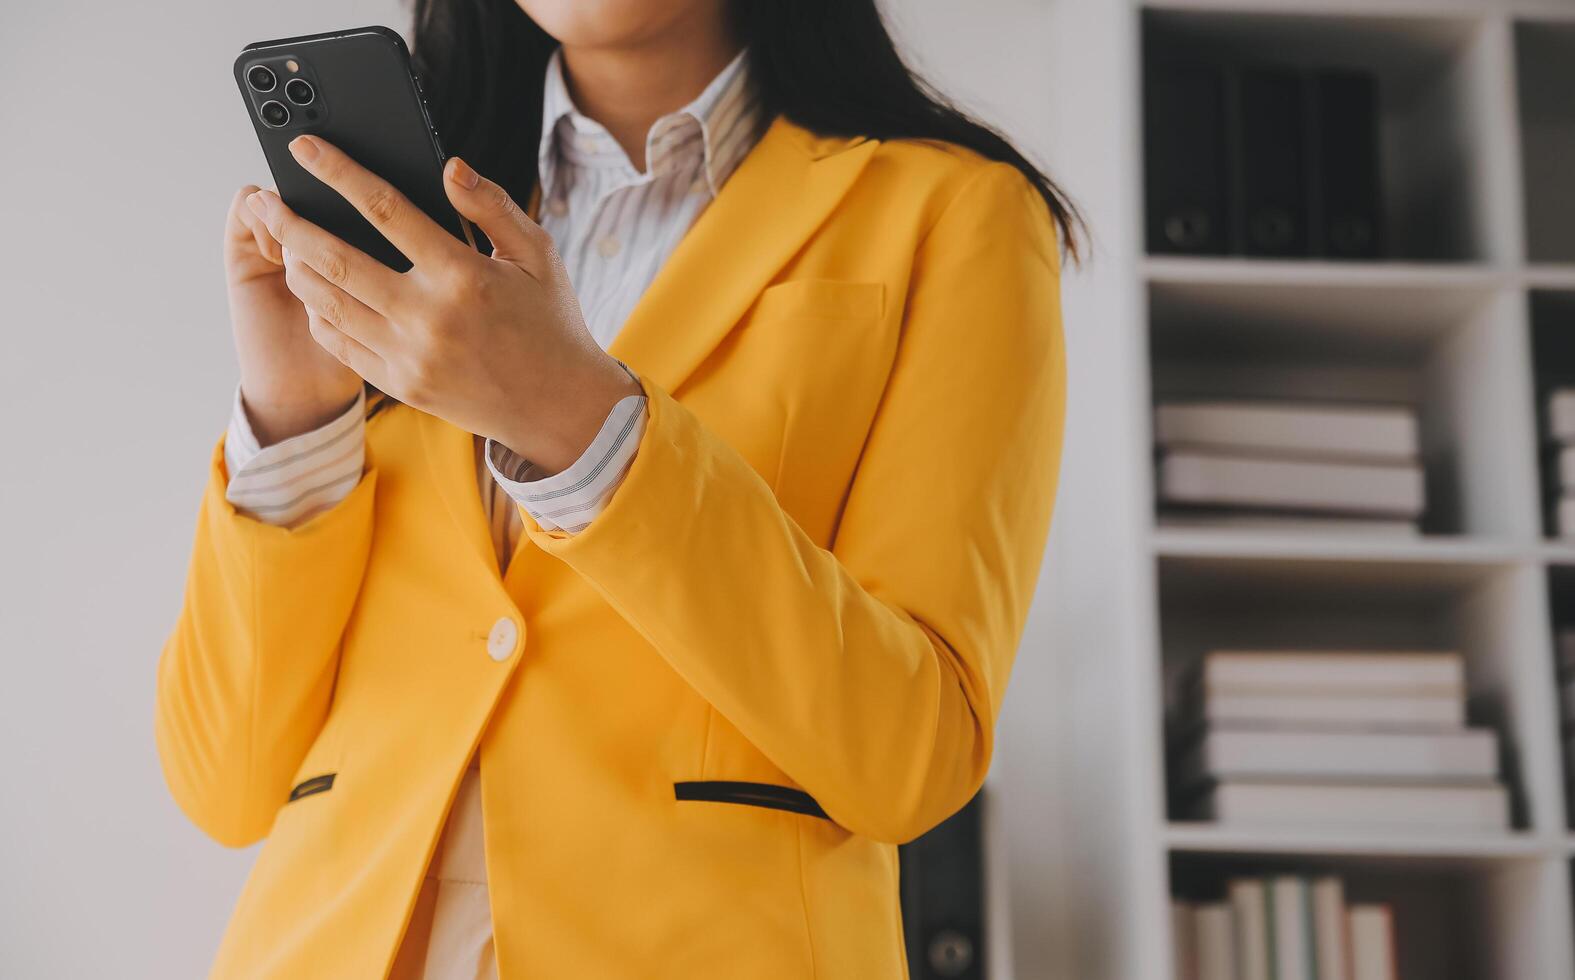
[
  {"x": 451, "y": 458},
  {"x": 773, "y": 203},
  {"x": 777, "y": 198}
]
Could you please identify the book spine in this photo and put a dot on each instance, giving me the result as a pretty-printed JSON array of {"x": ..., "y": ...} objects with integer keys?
[
  {"x": 1371, "y": 929},
  {"x": 1251, "y": 930},
  {"x": 1273, "y": 163},
  {"x": 1329, "y": 940},
  {"x": 1216, "y": 943},
  {"x": 1185, "y": 142},
  {"x": 1184, "y": 940},
  {"x": 1347, "y": 224},
  {"x": 1288, "y": 927}
]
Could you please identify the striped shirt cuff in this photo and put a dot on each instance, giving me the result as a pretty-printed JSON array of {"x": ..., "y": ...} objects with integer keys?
[
  {"x": 290, "y": 482},
  {"x": 570, "y": 500}
]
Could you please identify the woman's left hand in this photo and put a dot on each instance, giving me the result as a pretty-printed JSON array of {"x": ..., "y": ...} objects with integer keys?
[{"x": 496, "y": 345}]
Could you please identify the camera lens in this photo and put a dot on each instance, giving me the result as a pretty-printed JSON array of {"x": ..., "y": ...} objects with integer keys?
[
  {"x": 299, "y": 91},
  {"x": 275, "y": 114},
  {"x": 261, "y": 78}
]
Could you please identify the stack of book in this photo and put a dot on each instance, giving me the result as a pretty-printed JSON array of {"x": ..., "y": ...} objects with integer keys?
[
  {"x": 1289, "y": 465},
  {"x": 1283, "y": 928},
  {"x": 1339, "y": 740},
  {"x": 1561, "y": 428}
]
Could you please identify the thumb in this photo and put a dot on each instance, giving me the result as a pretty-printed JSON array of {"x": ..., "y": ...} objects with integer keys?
[{"x": 515, "y": 237}]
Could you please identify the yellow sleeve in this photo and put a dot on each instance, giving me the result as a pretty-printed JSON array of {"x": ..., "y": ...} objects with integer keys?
[
  {"x": 872, "y": 673},
  {"x": 245, "y": 678}
]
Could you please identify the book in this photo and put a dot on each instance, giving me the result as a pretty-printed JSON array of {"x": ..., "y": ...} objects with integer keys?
[
  {"x": 1561, "y": 414},
  {"x": 1470, "y": 754},
  {"x": 1566, "y": 651},
  {"x": 1271, "y": 171},
  {"x": 1372, "y": 933},
  {"x": 1345, "y": 189},
  {"x": 1291, "y": 428},
  {"x": 1564, "y": 468},
  {"x": 1289, "y": 915},
  {"x": 1184, "y": 940},
  {"x": 1229, "y": 520},
  {"x": 1327, "y": 895},
  {"x": 1564, "y": 516},
  {"x": 1220, "y": 479},
  {"x": 941, "y": 876},
  {"x": 1247, "y": 900},
  {"x": 1337, "y": 805},
  {"x": 1334, "y": 673},
  {"x": 1216, "y": 942},
  {"x": 1333, "y": 712},
  {"x": 1185, "y": 148}
]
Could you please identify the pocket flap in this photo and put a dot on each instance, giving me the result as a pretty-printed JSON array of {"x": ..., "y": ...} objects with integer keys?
[
  {"x": 766, "y": 795},
  {"x": 313, "y": 786}
]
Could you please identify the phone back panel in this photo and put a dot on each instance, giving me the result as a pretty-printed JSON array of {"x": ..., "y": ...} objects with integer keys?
[{"x": 364, "y": 101}]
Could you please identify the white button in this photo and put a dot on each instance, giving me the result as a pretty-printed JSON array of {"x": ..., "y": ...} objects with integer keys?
[
  {"x": 608, "y": 247},
  {"x": 500, "y": 642},
  {"x": 558, "y": 206}
]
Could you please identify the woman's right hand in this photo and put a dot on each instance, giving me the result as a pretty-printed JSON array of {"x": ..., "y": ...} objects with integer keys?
[{"x": 290, "y": 384}]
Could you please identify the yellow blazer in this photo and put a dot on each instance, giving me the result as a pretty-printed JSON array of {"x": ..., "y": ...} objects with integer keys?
[{"x": 779, "y": 651}]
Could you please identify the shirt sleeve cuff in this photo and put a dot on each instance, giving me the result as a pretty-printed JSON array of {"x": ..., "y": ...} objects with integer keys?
[
  {"x": 570, "y": 500},
  {"x": 290, "y": 482}
]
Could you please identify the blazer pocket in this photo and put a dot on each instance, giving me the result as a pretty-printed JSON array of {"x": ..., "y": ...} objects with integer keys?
[
  {"x": 766, "y": 795},
  {"x": 820, "y": 299},
  {"x": 313, "y": 786}
]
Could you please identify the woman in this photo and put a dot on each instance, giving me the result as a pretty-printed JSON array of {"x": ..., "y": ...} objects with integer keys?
[{"x": 764, "y": 416}]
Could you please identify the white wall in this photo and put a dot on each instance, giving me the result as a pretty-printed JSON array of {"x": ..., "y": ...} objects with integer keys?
[{"x": 124, "y": 139}]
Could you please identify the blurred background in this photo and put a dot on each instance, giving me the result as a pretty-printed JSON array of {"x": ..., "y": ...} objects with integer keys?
[{"x": 1322, "y": 358}]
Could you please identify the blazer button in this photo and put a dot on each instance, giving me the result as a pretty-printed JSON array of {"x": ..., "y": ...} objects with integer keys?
[{"x": 500, "y": 642}]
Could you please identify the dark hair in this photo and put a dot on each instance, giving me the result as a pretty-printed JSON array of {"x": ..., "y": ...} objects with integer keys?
[{"x": 827, "y": 65}]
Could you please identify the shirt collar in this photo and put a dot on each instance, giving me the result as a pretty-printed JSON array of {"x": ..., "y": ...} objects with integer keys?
[{"x": 727, "y": 113}]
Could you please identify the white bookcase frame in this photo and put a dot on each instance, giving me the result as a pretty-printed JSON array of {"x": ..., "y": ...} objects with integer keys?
[{"x": 1447, "y": 321}]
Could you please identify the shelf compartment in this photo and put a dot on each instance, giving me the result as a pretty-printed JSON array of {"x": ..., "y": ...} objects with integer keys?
[
  {"x": 1488, "y": 612},
  {"x": 1441, "y": 81},
  {"x": 1456, "y": 918},
  {"x": 1553, "y": 366},
  {"x": 1450, "y": 349}
]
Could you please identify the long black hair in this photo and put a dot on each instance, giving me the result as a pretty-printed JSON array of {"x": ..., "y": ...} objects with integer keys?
[{"x": 829, "y": 66}]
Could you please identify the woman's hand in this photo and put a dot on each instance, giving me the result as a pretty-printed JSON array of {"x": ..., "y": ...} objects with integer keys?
[
  {"x": 497, "y": 345},
  {"x": 290, "y": 384}
]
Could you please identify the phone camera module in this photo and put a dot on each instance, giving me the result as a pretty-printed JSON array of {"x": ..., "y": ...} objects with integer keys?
[
  {"x": 274, "y": 113},
  {"x": 299, "y": 91},
  {"x": 261, "y": 78}
]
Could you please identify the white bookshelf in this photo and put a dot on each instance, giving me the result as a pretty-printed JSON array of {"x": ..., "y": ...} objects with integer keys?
[{"x": 1469, "y": 316}]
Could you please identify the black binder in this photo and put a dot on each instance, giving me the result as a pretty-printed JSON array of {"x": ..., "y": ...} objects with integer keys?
[
  {"x": 1186, "y": 160},
  {"x": 1272, "y": 122},
  {"x": 943, "y": 916},
  {"x": 1348, "y": 223}
]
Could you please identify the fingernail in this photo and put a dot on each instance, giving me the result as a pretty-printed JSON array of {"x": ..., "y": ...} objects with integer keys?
[
  {"x": 304, "y": 148},
  {"x": 464, "y": 176},
  {"x": 255, "y": 201}
]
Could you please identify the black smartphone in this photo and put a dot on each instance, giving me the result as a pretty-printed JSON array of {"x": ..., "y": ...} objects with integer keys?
[{"x": 356, "y": 90}]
